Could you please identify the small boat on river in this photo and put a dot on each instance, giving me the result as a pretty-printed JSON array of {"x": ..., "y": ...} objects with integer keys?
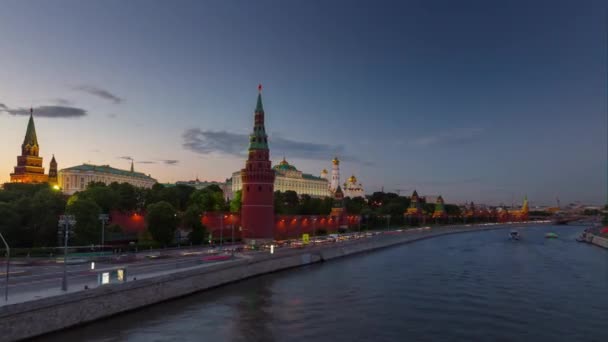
[
  {"x": 514, "y": 235},
  {"x": 551, "y": 236}
]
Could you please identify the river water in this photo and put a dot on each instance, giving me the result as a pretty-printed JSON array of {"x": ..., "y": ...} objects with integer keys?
[{"x": 463, "y": 287}]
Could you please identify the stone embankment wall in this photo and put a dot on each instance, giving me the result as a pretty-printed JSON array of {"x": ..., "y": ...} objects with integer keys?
[
  {"x": 34, "y": 318},
  {"x": 597, "y": 240}
]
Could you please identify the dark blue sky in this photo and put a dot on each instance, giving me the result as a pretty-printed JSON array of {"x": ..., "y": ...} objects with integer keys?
[{"x": 475, "y": 100}]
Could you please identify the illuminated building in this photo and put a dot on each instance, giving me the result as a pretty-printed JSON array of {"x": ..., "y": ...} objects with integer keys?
[
  {"x": 439, "y": 209},
  {"x": 352, "y": 188},
  {"x": 53, "y": 172},
  {"x": 76, "y": 178},
  {"x": 415, "y": 209},
  {"x": 335, "y": 175},
  {"x": 257, "y": 208},
  {"x": 288, "y": 177},
  {"x": 29, "y": 164}
]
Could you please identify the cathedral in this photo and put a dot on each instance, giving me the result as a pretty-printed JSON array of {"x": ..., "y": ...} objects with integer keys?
[
  {"x": 351, "y": 188},
  {"x": 29, "y": 167}
]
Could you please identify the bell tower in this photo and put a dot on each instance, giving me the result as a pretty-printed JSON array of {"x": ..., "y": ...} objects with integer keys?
[{"x": 29, "y": 164}]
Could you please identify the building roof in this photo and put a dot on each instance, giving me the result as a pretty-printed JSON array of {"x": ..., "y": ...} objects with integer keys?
[
  {"x": 107, "y": 169},
  {"x": 312, "y": 177},
  {"x": 30, "y": 134},
  {"x": 284, "y": 166}
]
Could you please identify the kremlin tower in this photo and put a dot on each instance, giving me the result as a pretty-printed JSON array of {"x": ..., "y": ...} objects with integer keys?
[
  {"x": 53, "y": 172},
  {"x": 29, "y": 164},
  {"x": 257, "y": 210},
  {"x": 439, "y": 212}
]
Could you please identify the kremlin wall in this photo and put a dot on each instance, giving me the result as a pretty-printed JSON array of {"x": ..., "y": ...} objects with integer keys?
[{"x": 258, "y": 180}]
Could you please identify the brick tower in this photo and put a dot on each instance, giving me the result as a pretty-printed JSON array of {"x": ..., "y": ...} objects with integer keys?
[
  {"x": 29, "y": 164},
  {"x": 257, "y": 210}
]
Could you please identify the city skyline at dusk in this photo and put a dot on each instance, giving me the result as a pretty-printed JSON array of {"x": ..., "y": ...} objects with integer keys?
[{"x": 483, "y": 102}]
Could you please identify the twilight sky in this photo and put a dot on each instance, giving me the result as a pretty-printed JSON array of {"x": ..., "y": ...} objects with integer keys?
[{"x": 475, "y": 100}]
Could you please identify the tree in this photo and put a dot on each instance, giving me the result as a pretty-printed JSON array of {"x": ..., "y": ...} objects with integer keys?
[
  {"x": 162, "y": 220},
  {"x": 10, "y": 222},
  {"x": 88, "y": 227},
  {"x": 291, "y": 202},
  {"x": 105, "y": 197},
  {"x": 235, "y": 203},
  {"x": 208, "y": 199},
  {"x": 192, "y": 220},
  {"x": 127, "y": 196}
]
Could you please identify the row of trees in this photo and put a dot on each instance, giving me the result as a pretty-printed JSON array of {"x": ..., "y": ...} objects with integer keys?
[{"x": 28, "y": 213}]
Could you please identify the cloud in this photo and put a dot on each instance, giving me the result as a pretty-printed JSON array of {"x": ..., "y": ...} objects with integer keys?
[
  {"x": 102, "y": 93},
  {"x": 126, "y": 157},
  {"x": 112, "y": 116},
  {"x": 146, "y": 162},
  {"x": 61, "y": 102},
  {"x": 451, "y": 137},
  {"x": 170, "y": 161},
  {"x": 47, "y": 111},
  {"x": 3, "y": 106},
  {"x": 235, "y": 144}
]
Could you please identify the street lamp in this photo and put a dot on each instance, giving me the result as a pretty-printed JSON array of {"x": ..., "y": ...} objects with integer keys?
[
  {"x": 8, "y": 262},
  {"x": 314, "y": 226},
  {"x": 104, "y": 219},
  {"x": 66, "y": 221},
  {"x": 221, "y": 230}
]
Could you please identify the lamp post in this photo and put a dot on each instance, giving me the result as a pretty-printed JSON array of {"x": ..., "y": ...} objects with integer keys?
[
  {"x": 66, "y": 221},
  {"x": 8, "y": 262},
  {"x": 104, "y": 219},
  {"x": 221, "y": 230},
  {"x": 314, "y": 226}
]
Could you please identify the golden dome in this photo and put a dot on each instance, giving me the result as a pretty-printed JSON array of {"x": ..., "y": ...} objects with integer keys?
[
  {"x": 283, "y": 162},
  {"x": 336, "y": 161},
  {"x": 324, "y": 171},
  {"x": 352, "y": 179}
]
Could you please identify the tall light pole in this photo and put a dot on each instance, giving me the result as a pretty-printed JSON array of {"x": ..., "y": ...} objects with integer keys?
[
  {"x": 221, "y": 230},
  {"x": 66, "y": 221},
  {"x": 104, "y": 219},
  {"x": 232, "y": 229},
  {"x": 8, "y": 262},
  {"x": 314, "y": 226}
]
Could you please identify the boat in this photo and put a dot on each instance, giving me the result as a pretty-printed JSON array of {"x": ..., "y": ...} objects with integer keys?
[
  {"x": 514, "y": 235},
  {"x": 551, "y": 236}
]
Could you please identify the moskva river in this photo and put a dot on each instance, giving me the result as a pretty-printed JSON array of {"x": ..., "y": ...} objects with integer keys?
[{"x": 463, "y": 287}]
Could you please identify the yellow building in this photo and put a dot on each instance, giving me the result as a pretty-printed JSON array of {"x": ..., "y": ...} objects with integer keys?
[{"x": 288, "y": 177}]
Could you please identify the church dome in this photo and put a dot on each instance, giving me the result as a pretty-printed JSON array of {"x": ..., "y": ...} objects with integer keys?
[
  {"x": 324, "y": 172},
  {"x": 352, "y": 179},
  {"x": 335, "y": 161},
  {"x": 284, "y": 166}
]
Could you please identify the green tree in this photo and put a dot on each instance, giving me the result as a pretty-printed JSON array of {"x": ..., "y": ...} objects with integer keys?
[
  {"x": 88, "y": 227},
  {"x": 191, "y": 220},
  {"x": 10, "y": 224},
  {"x": 162, "y": 222},
  {"x": 236, "y": 202},
  {"x": 127, "y": 196},
  {"x": 208, "y": 200},
  {"x": 291, "y": 202},
  {"x": 105, "y": 197}
]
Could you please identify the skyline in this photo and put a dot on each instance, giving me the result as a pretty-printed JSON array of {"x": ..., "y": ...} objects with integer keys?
[{"x": 401, "y": 93}]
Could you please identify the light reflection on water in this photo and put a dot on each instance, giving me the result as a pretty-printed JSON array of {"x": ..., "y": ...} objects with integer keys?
[{"x": 462, "y": 287}]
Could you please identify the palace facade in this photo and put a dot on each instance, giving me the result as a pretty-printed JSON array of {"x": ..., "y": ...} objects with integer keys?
[
  {"x": 76, "y": 178},
  {"x": 288, "y": 177}
]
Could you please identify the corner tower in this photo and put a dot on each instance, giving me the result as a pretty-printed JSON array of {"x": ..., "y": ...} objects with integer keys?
[
  {"x": 257, "y": 210},
  {"x": 29, "y": 164}
]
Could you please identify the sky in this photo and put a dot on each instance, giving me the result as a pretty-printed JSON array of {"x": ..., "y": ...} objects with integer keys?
[{"x": 484, "y": 101}]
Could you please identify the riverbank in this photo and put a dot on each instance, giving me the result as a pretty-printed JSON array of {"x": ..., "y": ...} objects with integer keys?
[
  {"x": 34, "y": 318},
  {"x": 597, "y": 240}
]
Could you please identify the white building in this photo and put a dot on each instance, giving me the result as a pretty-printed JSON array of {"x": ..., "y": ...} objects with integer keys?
[
  {"x": 76, "y": 178},
  {"x": 288, "y": 177},
  {"x": 351, "y": 188}
]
